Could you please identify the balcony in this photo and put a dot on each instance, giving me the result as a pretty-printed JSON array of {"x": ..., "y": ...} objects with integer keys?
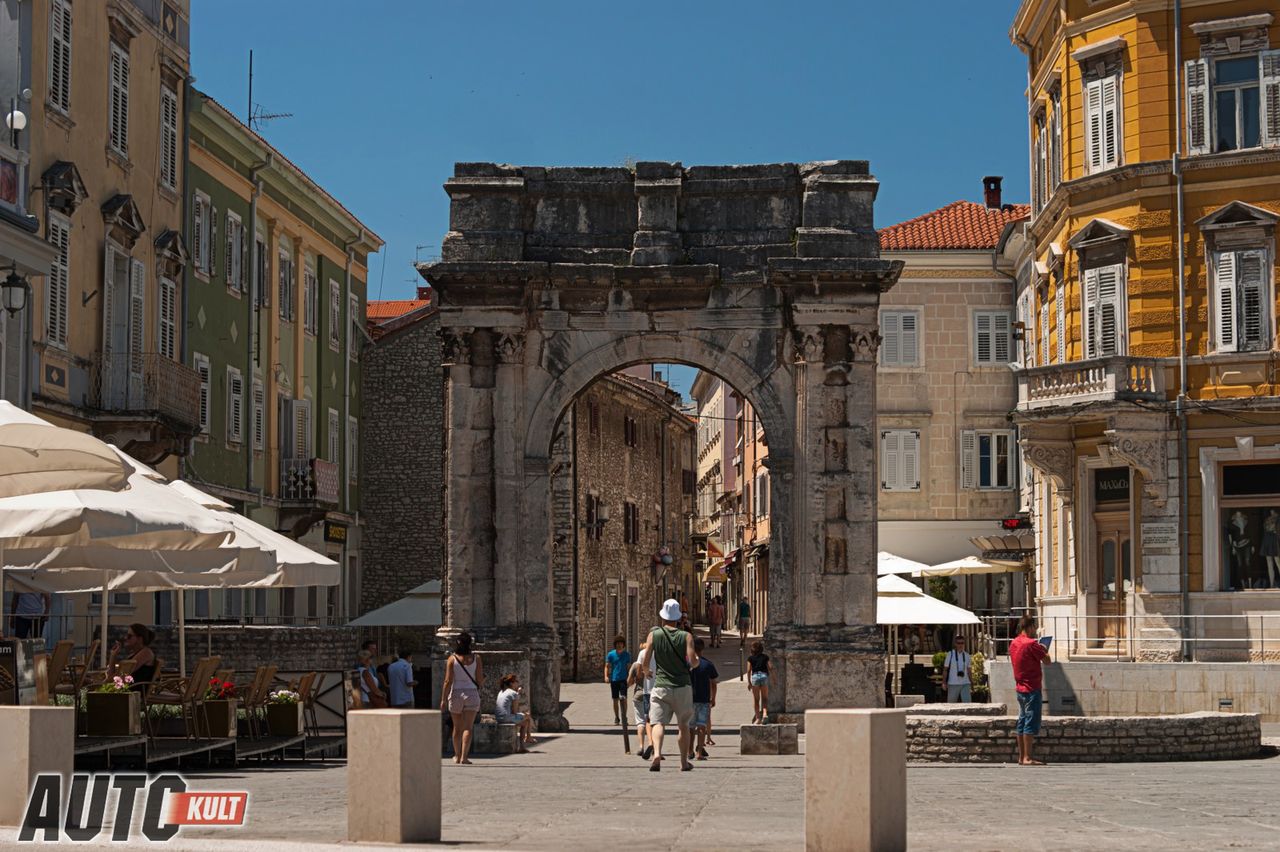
[
  {"x": 1115, "y": 379},
  {"x": 148, "y": 404},
  {"x": 309, "y": 481}
]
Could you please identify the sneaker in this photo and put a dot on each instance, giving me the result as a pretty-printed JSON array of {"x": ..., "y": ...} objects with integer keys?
[
  {"x": 646, "y": 752},
  {"x": 702, "y": 754}
]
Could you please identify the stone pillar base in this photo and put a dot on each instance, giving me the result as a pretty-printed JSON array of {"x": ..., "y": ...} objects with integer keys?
[
  {"x": 855, "y": 781},
  {"x": 393, "y": 795},
  {"x": 37, "y": 739},
  {"x": 529, "y": 651},
  {"x": 820, "y": 667}
]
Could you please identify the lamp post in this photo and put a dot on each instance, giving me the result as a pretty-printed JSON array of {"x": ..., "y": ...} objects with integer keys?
[{"x": 14, "y": 291}]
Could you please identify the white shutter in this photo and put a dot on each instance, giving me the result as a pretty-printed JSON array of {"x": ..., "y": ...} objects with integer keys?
[
  {"x": 168, "y": 137},
  {"x": 57, "y": 283},
  {"x": 891, "y": 338},
  {"x": 335, "y": 435},
  {"x": 1061, "y": 300},
  {"x": 910, "y": 460},
  {"x": 1269, "y": 75},
  {"x": 259, "y": 415},
  {"x": 1255, "y": 332},
  {"x": 213, "y": 239},
  {"x": 1198, "y": 109},
  {"x": 166, "y": 326},
  {"x": 910, "y": 338},
  {"x": 968, "y": 458},
  {"x": 1110, "y": 316},
  {"x": 1224, "y": 300},
  {"x": 982, "y": 337},
  {"x": 231, "y": 250},
  {"x": 108, "y": 305},
  {"x": 335, "y": 314},
  {"x": 202, "y": 368},
  {"x": 890, "y": 460},
  {"x": 137, "y": 308},
  {"x": 1089, "y": 313},
  {"x": 1112, "y": 129},
  {"x": 353, "y": 449},
  {"x": 235, "y": 405},
  {"x": 60, "y": 55},
  {"x": 302, "y": 428},
  {"x": 119, "y": 103},
  {"x": 197, "y": 236},
  {"x": 1093, "y": 125},
  {"x": 1000, "y": 333},
  {"x": 1046, "y": 354}
]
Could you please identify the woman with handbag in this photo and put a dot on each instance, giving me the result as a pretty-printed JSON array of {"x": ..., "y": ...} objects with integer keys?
[
  {"x": 460, "y": 694},
  {"x": 370, "y": 687}
]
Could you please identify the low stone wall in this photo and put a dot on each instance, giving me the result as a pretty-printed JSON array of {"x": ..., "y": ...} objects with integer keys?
[
  {"x": 245, "y": 647},
  {"x": 958, "y": 710},
  {"x": 1076, "y": 739},
  {"x": 1102, "y": 688}
]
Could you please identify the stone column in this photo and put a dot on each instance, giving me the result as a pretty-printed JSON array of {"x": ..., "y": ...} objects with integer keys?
[
  {"x": 466, "y": 478},
  {"x": 508, "y": 457},
  {"x": 36, "y": 740}
]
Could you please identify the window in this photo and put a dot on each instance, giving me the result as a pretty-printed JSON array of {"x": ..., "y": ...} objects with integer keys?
[
  {"x": 201, "y": 364},
  {"x": 1055, "y": 138},
  {"x": 353, "y": 449},
  {"x": 900, "y": 343},
  {"x": 235, "y": 405},
  {"x": 1026, "y": 328},
  {"x": 334, "y": 436},
  {"x": 235, "y": 252},
  {"x": 302, "y": 432},
  {"x": 630, "y": 434},
  {"x": 59, "y": 95},
  {"x": 1102, "y": 128},
  {"x": 593, "y": 417},
  {"x": 900, "y": 460},
  {"x": 286, "y": 287},
  {"x": 594, "y": 527},
  {"x": 335, "y": 315},
  {"x": 987, "y": 460},
  {"x": 259, "y": 415},
  {"x": 1242, "y": 320},
  {"x": 310, "y": 301},
  {"x": 118, "y": 107},
  {"x": 762, "y": 495},
  {"x": 354, "y": 315},
  {"x": 1039, "y": 161},
  {"x": 168, "y": 137},
  {"x": 201, "y": 231},
  {"x": 1060, "y": 303},
  {"x": 1249, "y": 514},
  {"x": 1103, "y": 319},
  {"x": 630, "y": 523},
  {"x": 166, "y": 328},
  {"x": 1046, "y": 356},
  {"x": 262, "y": 292},
  {"x": 57, "y": 283},
  {"x": 1233, "y": 102},
  {"x": 991, "y": 338}
]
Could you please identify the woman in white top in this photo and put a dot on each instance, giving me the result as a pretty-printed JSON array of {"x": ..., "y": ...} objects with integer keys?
[
  {"x": 508, "y": 711},
  {"x": 460, "y": 694}
]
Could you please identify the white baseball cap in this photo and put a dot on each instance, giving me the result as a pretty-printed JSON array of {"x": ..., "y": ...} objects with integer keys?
[{"x": 670, "y": 610}]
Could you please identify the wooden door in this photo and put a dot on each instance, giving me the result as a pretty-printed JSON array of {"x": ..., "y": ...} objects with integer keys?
[{"x": 1114, "y": 561}]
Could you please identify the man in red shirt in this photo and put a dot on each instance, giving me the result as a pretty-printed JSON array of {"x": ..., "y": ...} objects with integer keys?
[{"x": 1027, "y": 654}]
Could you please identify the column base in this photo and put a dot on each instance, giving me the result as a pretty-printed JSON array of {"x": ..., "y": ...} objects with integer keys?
[
  {"x": 825, "y": 667},
  {"x": 529, "y": 651}
]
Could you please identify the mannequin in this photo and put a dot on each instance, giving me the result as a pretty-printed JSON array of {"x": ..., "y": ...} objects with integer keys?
[
  {"x": 1241, "y": 548},
  {"x": 1271, "y": 546}
]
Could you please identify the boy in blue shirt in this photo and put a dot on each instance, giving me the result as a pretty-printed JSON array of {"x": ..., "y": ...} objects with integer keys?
[{"x": 616, "y": 664}]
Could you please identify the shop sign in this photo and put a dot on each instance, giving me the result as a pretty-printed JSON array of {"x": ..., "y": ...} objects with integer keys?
[
  {"x": 1111, "y": 485},
  {"x": 1159, "y": 534},
  {"x": 336, "y": 533}
]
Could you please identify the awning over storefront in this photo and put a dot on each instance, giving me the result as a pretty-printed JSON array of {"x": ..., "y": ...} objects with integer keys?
[
  {"x": 967, "y": 566},
  {"x": 1013, "y": 551},
  {"x": 716, "y": 573}
]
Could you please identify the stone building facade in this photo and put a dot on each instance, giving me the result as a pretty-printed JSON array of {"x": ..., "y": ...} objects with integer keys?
[{"x": 621, "y": 464}]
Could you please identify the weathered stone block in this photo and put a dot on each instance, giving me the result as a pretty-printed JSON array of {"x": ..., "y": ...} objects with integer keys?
[
  {"x": 759, "y": 739},
  {"x": 855, "y": 780},
  {"x": 393, "y": 779}
]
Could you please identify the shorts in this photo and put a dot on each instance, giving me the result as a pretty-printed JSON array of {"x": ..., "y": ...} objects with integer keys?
[
  {"x": 1029, "y": 704},
  {"x": 701, "y": 714},
  {"x": 715, "y": 631},
  {"x": 667, "y": 704},
  {"x": 619, "y": 689},
  {"x": 640, "y": 708},
  {"x": 958, "y": 693},
  {"x": 743, "y": 624},
  {"x": 759, "y": 678},
  {"x": 509, "y": 718},
  {"x": 464, "y": 699}
]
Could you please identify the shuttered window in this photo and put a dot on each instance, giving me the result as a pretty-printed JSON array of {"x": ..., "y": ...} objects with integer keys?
[
  {"x": 1026, "y": 322},
  {"x": 235, "y": 405},
  {"x": 118, "y": 107},
  {"x": 1102, "y": 128},
  {"x": 1242, "y": 286},
  {"x": 235, "y": 252},
  {"x": 167, "y": 327},
  {"x": 762, "y": 495},
  {"x": 201, "y": 364},
  {"x": 59, "y": 94},
  {"x": 1103, "y": 318},
  {"x": 137, "y": 322},
  {"x": 262, "y": 296},
  {"x": 259, "y": 415},
  {"x": 988, "y": 459},
  {"x": 900, "y": 460},
  {"x": 302, "y": 432},
  {"x": 310, "y": 301},
  {"x": 1055, "y": 138},
  {"x": 199, "y": 231},
  {"x": 1269, "y": 71},
  {"x": 1046, "y": 354},
  {"x": 354, "y": 320},
  {"x": 286, "y": 287},
  {"x": 991, "y": 337},
  {"x": 58, "y": 282},
  {"x": 1060, "y": 300},
  {"x": 335, "y": 315},
  {"x": 353, "y": 449},
  {"x": 168, "y": 137},
  {"x": 900, "y": 338},
  {"x": 1197, "y": 86},
  {"x": 335, "y": 435}
]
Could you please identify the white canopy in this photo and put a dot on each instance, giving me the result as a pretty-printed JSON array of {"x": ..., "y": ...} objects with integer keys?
[
  {"x": 965, "y": 566},
  {"x": 36, "y": 456},
  {"x": 420, "y": 607},
  {"x": 888, "y": 563},
  {"x": 900, "y": 602}
]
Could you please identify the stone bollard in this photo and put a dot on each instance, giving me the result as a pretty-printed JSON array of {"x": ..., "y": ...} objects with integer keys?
[
  {"x": 38, "y": 739},
  {"x": 855, "y": 781},
  {"x": 393, "y": 776}
]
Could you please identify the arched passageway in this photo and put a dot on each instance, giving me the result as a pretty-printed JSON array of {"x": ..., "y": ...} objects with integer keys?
[{"x": 768, "y": 276}]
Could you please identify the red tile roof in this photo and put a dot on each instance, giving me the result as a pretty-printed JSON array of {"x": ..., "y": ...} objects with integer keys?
[
  {"x": 961, "y": 225},
  {"x": 379, "y": 312}
]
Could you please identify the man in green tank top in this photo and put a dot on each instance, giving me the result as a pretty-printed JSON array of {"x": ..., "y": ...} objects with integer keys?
[{"x": 672, "y": 697}]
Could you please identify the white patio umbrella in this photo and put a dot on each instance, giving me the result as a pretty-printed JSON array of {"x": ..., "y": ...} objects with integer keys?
[
  {"x": 963, "y": 567},
  {"x": 899, "y": 601},
  {"x": 36, "y": 456},
  {"x": 889, "y": 563}
]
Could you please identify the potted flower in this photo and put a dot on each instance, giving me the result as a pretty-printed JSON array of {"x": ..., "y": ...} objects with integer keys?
[
  {"x": 218, "y": 711},
  {"x": 114, "y": 709},
  {"x": 284, "y": 713}
]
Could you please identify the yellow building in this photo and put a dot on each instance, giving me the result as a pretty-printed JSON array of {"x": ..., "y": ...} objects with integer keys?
[{"x": 1147, "y": 400}]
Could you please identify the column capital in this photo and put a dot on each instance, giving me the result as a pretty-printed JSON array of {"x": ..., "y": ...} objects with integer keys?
[
  {"x": 508, "y": 345},
  {"x": 456, "y": 343}
]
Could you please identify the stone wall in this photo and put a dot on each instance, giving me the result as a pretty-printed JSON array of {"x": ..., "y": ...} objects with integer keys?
[
  {"x": 244, "y": 648},
  {"x": 1075, "y": 739},
  {"x": 402, "y": 492},
  {"x": 1123, "y": 689}
]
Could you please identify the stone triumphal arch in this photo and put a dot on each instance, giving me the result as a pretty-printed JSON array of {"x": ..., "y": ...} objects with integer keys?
[{"x": 770, "y": 277}]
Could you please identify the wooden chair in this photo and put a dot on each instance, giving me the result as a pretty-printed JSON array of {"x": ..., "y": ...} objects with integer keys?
[
  {"x": 184, "y": 693},
  {"x": 254, "y": 699},
  {"x": 42, "y": 679},
  {"x": 306, "y": 697},
  {"x": 57, "y": 668}
]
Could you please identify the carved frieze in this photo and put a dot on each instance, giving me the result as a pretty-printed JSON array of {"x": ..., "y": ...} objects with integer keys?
[
  {"x": 864, "y": 343},
  {"x": 1143, "y": 449},
  {"x": 1052, "y": 454},
  {"x": 456, "y": 343},
  {"x": 509, "y": 346}
]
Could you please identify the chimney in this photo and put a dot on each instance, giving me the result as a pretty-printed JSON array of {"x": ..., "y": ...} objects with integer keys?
[
  {"x": 424, "y": 293},
  {"x": 991, "y": 191}
]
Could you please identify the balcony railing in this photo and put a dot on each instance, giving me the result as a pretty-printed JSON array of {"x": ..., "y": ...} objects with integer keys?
[
  {"x": 1102, "y": 379},
  {"x": 146, "y": 383},
  {"x": 310, "y": 480}
]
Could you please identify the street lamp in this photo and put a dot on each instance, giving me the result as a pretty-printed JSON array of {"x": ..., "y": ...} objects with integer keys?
[{"x": 14, "y": 289}]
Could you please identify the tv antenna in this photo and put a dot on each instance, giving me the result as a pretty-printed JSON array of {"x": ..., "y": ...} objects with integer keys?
[{"x": 257, "y": 116}]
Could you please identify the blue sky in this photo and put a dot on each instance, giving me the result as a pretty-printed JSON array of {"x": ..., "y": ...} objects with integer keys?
[{"x": 385, "y": 101}]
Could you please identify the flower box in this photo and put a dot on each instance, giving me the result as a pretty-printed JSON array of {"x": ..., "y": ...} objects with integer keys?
[
  {"x": 217, "y": 718},
  {"x": 113, "y": 714},
  {"x": 284, "y": 720}
]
